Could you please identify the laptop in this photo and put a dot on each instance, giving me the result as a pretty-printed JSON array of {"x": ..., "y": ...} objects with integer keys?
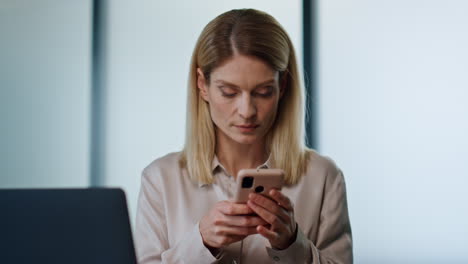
[{"x": 65, "y": 226}]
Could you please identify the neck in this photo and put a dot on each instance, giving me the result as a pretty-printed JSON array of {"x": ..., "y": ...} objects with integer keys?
[{"x": 234, "y": 156}]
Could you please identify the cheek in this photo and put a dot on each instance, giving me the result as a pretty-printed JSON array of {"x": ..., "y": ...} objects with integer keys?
[
  {"x": 219, "y": 112},
  {"x": 269, "y": 111}
]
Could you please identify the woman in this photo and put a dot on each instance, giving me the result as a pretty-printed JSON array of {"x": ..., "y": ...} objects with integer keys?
[{"x": 244, "y": 111}]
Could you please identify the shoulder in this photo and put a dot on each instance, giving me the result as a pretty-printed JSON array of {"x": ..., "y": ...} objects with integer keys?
[
  {"x": 323, "y": 167},
  {"x": 162, "y": 167},
  {"x": 323, "y": 177}
]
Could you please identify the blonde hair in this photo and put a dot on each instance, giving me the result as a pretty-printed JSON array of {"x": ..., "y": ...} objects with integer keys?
[{"x": 253, "y": 33}]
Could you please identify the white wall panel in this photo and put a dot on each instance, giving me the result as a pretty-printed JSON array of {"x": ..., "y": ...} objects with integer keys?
[
  {"x": 393, "y": 113},
  {"x": 44, "y": 93}
]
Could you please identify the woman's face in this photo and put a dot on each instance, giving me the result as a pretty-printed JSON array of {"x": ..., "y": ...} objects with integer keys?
[{"x": 243, "y": 96}]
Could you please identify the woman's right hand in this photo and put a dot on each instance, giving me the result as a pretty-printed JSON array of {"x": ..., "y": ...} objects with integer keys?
[{"x": 228, "y": 222}]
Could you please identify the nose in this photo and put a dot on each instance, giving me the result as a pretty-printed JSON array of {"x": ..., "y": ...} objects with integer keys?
[{"x": 247, "y": 108}]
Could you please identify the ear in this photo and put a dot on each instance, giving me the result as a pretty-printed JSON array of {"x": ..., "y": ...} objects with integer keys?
[
  {"x": 201, "y": 84},
  {"x": 284, "y": 83}
]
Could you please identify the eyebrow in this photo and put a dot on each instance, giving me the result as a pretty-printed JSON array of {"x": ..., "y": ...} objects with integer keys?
[{"x": 235, "y": 86}]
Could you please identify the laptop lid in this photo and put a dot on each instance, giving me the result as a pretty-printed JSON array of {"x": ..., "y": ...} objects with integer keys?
[{"x": 65, "y": 226}]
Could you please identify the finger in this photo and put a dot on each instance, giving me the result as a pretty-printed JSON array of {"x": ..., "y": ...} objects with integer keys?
[
  {"x": 267, "y": 215},
  {"x": 281, "y": 199},
  {"x": 268, "y": 234},
  {"x": 269, "y": 205},
  {"x": 234, "y": 231},
  {"x": 241, "y": 221},
  {"x": 230, "y": 208}
]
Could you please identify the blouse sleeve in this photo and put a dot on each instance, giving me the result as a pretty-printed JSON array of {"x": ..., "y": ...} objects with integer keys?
[
  {"x": 151, "y": 239},
  {"x": 334, "y": 241}
]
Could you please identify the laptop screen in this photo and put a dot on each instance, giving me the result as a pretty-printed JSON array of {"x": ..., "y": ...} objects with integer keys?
[{"x": 65, "y": 226}]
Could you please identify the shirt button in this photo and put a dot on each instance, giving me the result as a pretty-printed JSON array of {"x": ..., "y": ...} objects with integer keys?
[{"x": 276, "y": 258}]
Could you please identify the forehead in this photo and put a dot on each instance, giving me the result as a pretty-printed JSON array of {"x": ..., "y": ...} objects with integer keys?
[{"x": 244, "y": 71}]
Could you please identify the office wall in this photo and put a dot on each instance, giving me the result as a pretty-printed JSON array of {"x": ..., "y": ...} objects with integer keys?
[
  {"x": 44, "y": 93},
  {"x": 149, "y": 48},
  {"x": 393, "y": 113}
]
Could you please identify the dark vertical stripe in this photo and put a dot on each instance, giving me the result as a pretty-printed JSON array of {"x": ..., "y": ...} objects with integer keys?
[
  {"x": 97, "y": 162},
  {"x": 309, "y": 46}
]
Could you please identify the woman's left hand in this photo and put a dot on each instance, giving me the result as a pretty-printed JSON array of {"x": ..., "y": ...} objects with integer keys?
[{"x": 278, "y": 211}]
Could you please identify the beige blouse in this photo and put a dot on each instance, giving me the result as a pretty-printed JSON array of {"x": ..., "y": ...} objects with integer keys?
[{"x": 170, "y": 206}]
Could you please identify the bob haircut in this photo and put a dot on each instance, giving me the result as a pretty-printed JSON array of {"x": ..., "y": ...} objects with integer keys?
[{"x": 252, "y": 33}]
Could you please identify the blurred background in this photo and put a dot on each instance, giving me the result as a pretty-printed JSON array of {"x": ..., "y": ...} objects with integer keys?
[{"x": 92, "y": 91}]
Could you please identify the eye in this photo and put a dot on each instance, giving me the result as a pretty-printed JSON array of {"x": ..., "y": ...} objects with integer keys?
[
  {"x": 227, "y": 91},
  {"x": 265, "y": 91}
]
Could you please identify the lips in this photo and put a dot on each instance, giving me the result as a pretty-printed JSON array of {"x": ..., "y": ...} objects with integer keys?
[{"x": 247, "y": 128}]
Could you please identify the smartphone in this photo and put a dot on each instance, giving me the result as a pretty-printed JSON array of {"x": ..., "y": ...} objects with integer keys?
[{"x": 259, "y": 181}]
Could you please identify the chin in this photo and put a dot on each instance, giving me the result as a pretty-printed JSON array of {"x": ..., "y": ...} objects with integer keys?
[{"x": 246, "y": 139}]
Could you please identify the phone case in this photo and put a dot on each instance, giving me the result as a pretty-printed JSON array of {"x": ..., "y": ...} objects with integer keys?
[{"x": 262, "y": 181}]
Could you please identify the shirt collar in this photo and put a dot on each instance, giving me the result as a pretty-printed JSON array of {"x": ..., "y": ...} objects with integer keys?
[
  {"x": 215, "y": 163},
  {"x": 266, "y": 165}
]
